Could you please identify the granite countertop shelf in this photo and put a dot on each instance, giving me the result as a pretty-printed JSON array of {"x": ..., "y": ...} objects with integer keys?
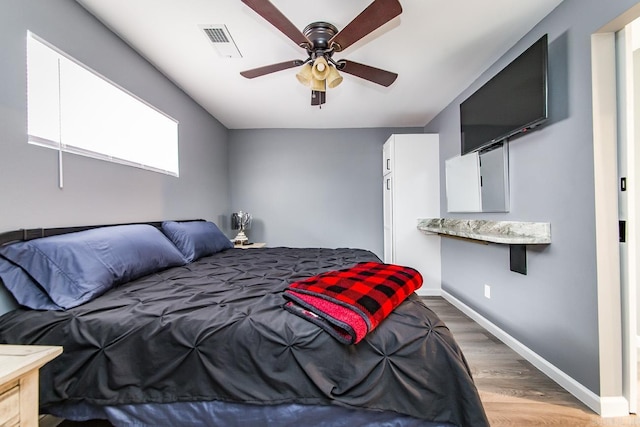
[{"x": 503, "y": 232}]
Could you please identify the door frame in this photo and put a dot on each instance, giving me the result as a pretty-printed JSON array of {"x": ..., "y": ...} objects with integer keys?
[
  {"x": 614, "y": 373},
  {"x": 628, "y": 210}
]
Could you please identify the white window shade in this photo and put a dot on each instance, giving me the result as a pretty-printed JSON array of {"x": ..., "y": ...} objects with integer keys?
[
  {"x": 76, "y": 110},
  {"x": 43, "y": 92}
]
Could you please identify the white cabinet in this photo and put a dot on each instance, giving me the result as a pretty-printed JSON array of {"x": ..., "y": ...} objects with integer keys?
[
  {"x": 411, "y": 189},
  {"x": 462, "y": 183}
]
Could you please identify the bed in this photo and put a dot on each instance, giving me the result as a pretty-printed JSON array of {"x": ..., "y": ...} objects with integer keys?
[{"x": 195, "y": 334}]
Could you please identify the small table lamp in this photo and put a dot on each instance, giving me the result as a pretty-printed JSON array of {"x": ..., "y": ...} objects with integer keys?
[{"x": 241, "y": 221}]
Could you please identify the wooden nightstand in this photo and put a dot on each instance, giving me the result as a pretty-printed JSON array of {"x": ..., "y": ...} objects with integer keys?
[
  {"x": 19, "y": 366},
  {"x": 253, "y": 245}
]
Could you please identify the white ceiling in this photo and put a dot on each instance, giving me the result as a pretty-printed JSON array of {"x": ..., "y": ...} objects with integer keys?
[{"x": 438, "y": 48}]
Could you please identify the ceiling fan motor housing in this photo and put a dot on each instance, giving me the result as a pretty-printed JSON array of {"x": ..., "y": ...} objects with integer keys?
[{"x": 319, "y": 34}]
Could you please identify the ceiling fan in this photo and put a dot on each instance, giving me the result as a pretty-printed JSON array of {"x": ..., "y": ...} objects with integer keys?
[{"x": 321, "y": 40}]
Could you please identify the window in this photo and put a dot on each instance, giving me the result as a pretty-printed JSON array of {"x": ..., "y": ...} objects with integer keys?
[{"x": 73, "y": 109}]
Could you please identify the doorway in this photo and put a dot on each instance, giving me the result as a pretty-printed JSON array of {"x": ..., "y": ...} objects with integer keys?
[{"x": 628, "y": 78}]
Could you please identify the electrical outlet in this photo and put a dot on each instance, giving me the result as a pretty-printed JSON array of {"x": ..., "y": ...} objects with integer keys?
[{"x": 487, "y": 291}]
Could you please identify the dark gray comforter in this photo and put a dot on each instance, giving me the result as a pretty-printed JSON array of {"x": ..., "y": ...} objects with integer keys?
[{"x": 216, "y": 330}]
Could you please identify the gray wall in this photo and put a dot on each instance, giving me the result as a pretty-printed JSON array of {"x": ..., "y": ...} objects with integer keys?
[
  {"x": 311, "y": 188},
  {"x": 96, "y": 191},
  {"x": 553, "y": 309}
]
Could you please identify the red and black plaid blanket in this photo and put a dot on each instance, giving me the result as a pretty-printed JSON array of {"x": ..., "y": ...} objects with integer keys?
[{"x": 352, "y": 302}]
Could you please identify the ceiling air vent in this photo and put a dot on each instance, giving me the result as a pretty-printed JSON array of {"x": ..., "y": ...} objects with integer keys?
[{"x": 221, "y": 39}]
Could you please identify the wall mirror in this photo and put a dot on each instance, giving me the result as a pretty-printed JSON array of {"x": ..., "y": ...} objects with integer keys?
[{"x": 479, "y": 182}]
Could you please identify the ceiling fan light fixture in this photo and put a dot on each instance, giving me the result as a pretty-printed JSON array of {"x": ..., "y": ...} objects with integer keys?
[
  {"x": 304, "y": 76},
  {"x": 318, "y": 85},
  {"x": 334, "y": 78},
  {"x": 320, "y": 69}
]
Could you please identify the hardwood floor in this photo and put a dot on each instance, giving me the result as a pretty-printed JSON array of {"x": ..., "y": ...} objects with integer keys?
[{"x": 513, "y": 391}]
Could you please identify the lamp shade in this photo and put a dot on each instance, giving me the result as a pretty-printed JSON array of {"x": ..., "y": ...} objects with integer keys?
[
  {"x": 320, "y": 69},
  {"x": 304, "y": 76},
  {"x": 318, "y": 85},
  {"x": 334, "y": 78}
]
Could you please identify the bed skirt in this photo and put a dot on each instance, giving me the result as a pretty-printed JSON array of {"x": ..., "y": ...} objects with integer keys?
[{"x": 216, "y": 413}]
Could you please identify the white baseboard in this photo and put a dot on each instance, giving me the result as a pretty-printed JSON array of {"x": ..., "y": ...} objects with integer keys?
[
  {"x": 616, "y": 406},
  {"x": 605, "y": 406},
  {"x": 429, "y": 292}
]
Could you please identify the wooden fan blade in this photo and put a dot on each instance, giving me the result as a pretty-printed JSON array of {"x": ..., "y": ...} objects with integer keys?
[
  {"x": 376, "y": 75},
  {"x": 268, "y": 69},
  {"x": 375, "y": 15},
  {"x": 268, "y": 11}
]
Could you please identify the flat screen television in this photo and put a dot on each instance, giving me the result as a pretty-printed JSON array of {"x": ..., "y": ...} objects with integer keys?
[{"x": 513, "y": 101}]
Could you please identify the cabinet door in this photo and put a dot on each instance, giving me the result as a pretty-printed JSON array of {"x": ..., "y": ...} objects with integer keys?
[
  {"x": 387, "y": 189},
  {"x": 416, "y": 194},
  {"x": 462, "y": 174}
]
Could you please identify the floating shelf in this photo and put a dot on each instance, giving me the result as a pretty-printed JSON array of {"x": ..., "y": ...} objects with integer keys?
[
  {"x": 513, "y": 233},
  {"x": 504, "y": 232}
]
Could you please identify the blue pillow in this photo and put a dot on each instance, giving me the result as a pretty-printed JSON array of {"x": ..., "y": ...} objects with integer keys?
[
  {"x": 196, "y": 239},
  {"x": 77, "y": 267},
  {"x": 26, "y": 292}
]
